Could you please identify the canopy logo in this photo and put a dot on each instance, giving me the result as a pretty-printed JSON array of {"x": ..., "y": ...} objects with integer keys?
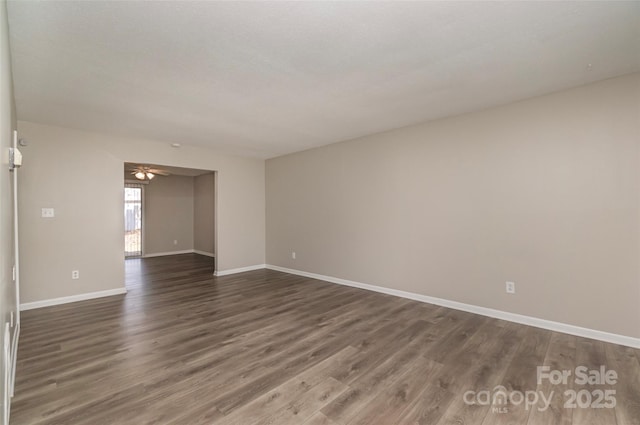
[{"x": 500, "y": 398}]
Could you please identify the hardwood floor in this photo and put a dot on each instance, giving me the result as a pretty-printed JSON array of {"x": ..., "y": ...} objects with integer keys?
[{"x": 265, "y": 347}]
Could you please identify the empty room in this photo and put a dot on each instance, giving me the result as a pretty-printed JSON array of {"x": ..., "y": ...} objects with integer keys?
[{"x": 320, "y": 212}]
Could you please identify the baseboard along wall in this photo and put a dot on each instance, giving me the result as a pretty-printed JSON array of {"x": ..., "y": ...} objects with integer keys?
[
  {"x": 72, "y": 298},
  {"x": 483, "y": 311}
]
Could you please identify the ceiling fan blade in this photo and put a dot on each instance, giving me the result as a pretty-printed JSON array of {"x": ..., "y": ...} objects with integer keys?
[{"x": 159, "y": 172}]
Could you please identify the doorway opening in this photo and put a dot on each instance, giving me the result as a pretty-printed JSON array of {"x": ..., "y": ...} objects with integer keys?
[
  {"x": 169, "y": 210},
  {"x": 133, "y": 215}
]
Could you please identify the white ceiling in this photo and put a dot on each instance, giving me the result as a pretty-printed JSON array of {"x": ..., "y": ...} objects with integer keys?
[{"x": 267, "y": 78}]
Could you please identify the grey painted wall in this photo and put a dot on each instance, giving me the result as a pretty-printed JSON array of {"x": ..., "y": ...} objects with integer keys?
[
  {"x": 544, "y": 192},
  {"x": 7, "y": 125},
  {"x": 203, "y": 213},
  {"x": 80, "y": 174},
  {"x": 168, "y": 214}
]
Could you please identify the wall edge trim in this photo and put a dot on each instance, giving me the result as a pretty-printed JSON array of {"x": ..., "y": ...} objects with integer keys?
[
  {"x": 162, "y": 254},
  {"x": 72, "y": 298},
  {"x": 227, "y": 272},
  {"x": 208, "y": 254}
]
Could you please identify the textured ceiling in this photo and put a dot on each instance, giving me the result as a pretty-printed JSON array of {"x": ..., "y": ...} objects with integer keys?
[{"x": 268, "y": 78}]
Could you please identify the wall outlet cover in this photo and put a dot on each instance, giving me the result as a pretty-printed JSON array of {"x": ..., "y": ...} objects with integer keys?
[{"x": 511, "y": 288}]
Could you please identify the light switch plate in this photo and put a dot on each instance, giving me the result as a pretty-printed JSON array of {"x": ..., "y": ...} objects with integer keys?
[{"x": 48, "y": 213}]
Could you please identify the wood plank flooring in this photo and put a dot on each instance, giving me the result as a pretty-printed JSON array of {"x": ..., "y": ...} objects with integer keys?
[{"x": 264, "y": 347}]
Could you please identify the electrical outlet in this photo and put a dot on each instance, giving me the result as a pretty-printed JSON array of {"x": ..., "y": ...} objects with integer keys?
[
  {"x": 293, "y": 255},
  {"x": 511, "y": 287},
  {"x": 48, "y": 213},
  {"x": 175, "y": 242},
  {"x": 75, "y": 274}
]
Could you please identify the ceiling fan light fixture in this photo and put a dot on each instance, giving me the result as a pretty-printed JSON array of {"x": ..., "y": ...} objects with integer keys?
[
  {"x": 139, "y": 175},
  {"x": 150, "y": 175}
]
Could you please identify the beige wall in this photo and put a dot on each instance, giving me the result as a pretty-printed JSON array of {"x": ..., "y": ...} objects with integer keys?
[
  {"x": 80, "y": 175},
  {"x": 168, "y": 214},
  {"x": 203, "y": 213},
  {"x": 543, "y": 192},
  {"x": 7, "y": 125}
]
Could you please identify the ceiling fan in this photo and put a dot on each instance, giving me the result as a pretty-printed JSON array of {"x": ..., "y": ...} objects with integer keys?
[{"x": 142, "y": 172}]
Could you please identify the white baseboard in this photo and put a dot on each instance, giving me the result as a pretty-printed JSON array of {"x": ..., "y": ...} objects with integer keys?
[
  {"x": 162, "y": 254},
  {"x": 208, "y": 254},
  {"x": 72, "y": 298},
  {"x": 497, "y": 314},
  {"x": 238, "y": 270}
]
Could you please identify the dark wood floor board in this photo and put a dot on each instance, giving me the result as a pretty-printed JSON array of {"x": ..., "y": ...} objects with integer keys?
[
  {"x": 383, "y": 344},
  {"x": 96, "y": 339},
  {"x": 494, "y": 344},
  {"x": 319, "y": 419},
  {"x": 262, "y": 358},
  {"x": 481, "y": 365},
  {"x": 316, "y": 348},
  {"x": 370, "y": 381},
  {"x": 189, "y": 368},
  {"x": 463, "y": 372},
  {"x": 262, "y": 352},
  {"x": 458, "y": 332},
  {"x": 521, "y": 376},
  {"x": 429, "y": 406},
  {"x": 274, "y": 400},
  {"x": 624, "y": 361},
  {"x": 591, "y": 353},
  {"x": 415, "y": 326},
  {"x": 304, "y": 404},
  {"x": 388, "y": 405},
  {"x": 183, "y": 347},
  {"x": 561, "y": 355}
]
